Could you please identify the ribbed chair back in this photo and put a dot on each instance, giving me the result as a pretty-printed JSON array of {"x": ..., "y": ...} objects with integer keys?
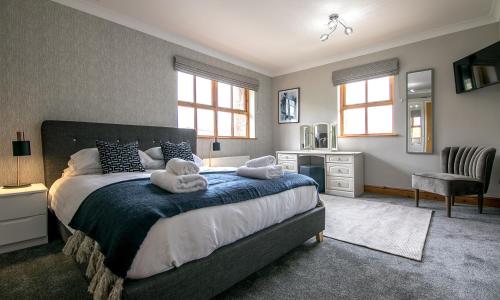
[{"x": 472, "y": 161}]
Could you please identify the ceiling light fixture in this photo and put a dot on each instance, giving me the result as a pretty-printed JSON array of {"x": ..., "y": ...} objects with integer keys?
[{"x": 332, "y": 25}]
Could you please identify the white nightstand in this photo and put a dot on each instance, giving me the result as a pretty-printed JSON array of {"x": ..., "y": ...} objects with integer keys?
[{"x": 23, "y": 217}]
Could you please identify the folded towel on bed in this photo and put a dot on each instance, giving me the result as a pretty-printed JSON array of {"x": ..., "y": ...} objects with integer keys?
[
  {"x": 179, "y": 166},
  {"x": 261, "y": 161},
  {"x": 179, "y": 183},
  {"x": 268, "y": 172}
]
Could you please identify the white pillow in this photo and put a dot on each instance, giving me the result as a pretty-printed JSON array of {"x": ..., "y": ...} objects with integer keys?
[
  {"x": 87, "y": 161},
  {"x": 198, "y": 161},
  {"x": 156, "y": 154},
  {"x": 149, "y": 163}
]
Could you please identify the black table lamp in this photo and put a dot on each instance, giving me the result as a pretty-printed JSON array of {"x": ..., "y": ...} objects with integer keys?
[{"x": 20, "y": 148}]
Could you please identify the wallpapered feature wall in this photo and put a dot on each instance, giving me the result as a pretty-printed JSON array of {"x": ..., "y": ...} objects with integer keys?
[
  {"x": 59, "y": 63},
  {"x": 464, "y": 119}
]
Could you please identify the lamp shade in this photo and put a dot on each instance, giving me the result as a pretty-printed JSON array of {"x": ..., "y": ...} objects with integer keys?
[
  {"x": 21, "y": 148},
  {"x": 215, "y": 146}
]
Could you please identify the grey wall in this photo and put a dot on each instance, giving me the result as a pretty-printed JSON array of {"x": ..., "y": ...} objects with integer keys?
[
  {"x": 59, "y": 63},
  {"x": 465, "y": 119}
]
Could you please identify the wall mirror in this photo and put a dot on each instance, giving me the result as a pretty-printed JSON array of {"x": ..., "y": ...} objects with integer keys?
[
  {"x": 321, "y": 135},
  {"x": 419, "y": 111},
  {"x": 306, "y": 137}
]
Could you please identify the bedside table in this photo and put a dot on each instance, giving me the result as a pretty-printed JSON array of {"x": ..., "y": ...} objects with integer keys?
[{"x": 23, "y": 217}]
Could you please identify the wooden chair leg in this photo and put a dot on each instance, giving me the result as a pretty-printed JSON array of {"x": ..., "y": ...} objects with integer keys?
[
  {"x": 417, "y": 197},
  {"x": 480, "y": 198},
  {"x": 448, "y": 206},
  {"x": 319, "y": 237}
]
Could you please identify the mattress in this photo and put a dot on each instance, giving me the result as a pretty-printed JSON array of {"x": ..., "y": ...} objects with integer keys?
[{"x": 174, "y": 241}]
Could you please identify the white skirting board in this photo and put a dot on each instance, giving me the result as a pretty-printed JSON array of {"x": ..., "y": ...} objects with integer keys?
[{"x": 228, "y": 161}]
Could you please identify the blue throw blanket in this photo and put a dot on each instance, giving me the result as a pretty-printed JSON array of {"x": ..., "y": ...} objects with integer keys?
[{"x": 119, "y": 216}]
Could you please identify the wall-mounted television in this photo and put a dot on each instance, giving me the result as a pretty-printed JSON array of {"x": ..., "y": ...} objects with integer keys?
[{"x": 478, "y": 70}]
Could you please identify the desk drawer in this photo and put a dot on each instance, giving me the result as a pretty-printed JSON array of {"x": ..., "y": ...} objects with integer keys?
[
  {"x": 282, "y": 156},
  {"x": 23, "y": 229},
  {"x": 23, "y": 205},
  {"x": 344, "y": 159},
  {"x": 339, "y": 170},
  {"x": 288, "y": 165},
  {"x": 341, "y": 184}
]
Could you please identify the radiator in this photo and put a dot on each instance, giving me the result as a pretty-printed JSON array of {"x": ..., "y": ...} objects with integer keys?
[{"x": 229, "y": 161}]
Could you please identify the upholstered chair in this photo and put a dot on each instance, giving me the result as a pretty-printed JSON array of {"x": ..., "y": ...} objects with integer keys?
[{"x": 465, "y": 171}]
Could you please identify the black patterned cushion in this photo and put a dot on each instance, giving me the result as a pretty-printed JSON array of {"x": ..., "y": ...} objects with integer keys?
[
  {"x": 171, "y": 150},
  {"x": 117, "y": 158}
]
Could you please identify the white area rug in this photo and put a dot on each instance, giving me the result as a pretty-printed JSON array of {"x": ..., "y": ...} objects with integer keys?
[{"x": 390, "y": 228}]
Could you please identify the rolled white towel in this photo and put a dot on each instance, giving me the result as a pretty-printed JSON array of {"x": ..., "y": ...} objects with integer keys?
[
  {"x": 179, "y": 166},
  {"x": 179, "y": 183},
  {"x": 261, "y": 161},
  {"x": 268, "y": 172}
]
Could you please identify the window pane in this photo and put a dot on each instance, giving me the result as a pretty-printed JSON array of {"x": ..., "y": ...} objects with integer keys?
[
  {"x": 224, "y": 95},
  {"x": 251, "y": 107},
  {"x": 203, "y": 91},
  {"x": 416, "y": 132},
  {"x": 354, "y": 121},
  {"x": 379, "y": 89},
  {"x": 223, "y": 123},
  {"x": 355, "y": 93},
  {"x": 205, "y": 121},
  {"x": 238, "y": 98},
  {"x": 185, "y": 87},
  {"x": 185, "y": 117},
  {"x": 416, "y": 121},
  {"x": 240, "y": 125},
  {"x": 380, "y": 119}
]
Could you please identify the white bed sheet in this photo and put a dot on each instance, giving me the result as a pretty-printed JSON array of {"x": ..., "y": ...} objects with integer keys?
[{"x": 171, "y": 242}]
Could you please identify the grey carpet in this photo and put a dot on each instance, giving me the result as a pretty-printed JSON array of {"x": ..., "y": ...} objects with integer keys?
[
  {"x": 391, "y": 228},
  {"x": 461, "y": 261}
]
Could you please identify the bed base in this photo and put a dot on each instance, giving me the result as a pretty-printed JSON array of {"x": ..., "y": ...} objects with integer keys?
[{"x": 209, "y": 276}]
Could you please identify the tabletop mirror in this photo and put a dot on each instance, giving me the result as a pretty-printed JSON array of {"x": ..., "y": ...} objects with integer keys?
[
  {"x": 333, "y": 139},
  {"x": 321, "y": 136},
  {"x": 306, "y": 137},
  {"x": 419, "y": 111}
]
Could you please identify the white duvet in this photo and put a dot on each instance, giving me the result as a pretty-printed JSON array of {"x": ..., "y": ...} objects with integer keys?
[{"x": 174, "y": 241}]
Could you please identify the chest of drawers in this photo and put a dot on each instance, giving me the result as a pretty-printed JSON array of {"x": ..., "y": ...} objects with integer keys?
[
  {"x": 344, "y": 174},
  {"x": 23, "y": 217}
]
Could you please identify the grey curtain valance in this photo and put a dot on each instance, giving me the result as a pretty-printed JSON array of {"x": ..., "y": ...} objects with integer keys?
[
  {"x": 364, "y": 72},
  {"x": 193, "y": 67}
]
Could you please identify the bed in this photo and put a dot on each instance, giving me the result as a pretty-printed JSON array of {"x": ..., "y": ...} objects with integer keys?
[{"x": 203, "y": 277}]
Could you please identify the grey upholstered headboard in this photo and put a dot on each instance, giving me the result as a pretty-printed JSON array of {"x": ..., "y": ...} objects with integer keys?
[{"x": 60, "y": 139}]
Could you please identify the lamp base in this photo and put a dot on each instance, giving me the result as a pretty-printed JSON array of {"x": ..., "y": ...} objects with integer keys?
[{"x": 16, "y": 186}]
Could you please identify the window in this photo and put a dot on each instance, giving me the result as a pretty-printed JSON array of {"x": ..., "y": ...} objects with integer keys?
[
  {"x": 215, "y": 109},
  {"x": 366, "y": 107}
]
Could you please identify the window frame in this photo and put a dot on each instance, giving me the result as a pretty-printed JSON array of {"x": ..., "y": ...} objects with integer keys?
[
  {"x": 366, "y": 105},
  {"x": 214, "y": 106}
]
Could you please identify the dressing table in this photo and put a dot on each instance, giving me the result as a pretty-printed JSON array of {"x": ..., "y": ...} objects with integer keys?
[{"x": 344, "y": 171}]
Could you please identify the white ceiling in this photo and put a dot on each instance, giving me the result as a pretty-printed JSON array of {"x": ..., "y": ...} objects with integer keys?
[{"x": 275, "y": 37}]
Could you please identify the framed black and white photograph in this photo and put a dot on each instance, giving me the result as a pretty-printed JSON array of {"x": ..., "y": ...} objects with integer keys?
[{"x": 288, "y": 102}]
